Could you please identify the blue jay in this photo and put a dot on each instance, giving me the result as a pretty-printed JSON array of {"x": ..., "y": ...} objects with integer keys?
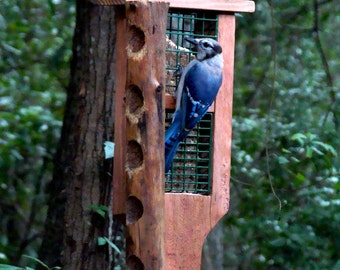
[{"x": 197, "y": 89}]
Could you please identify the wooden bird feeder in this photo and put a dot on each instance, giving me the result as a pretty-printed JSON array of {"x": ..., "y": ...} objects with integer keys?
[{"x": 169, "y": 216}]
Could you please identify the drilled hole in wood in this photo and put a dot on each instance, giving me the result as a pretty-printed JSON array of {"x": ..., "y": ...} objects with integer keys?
[
  {"x": 134, "y": 99},
  {"x": 134, "y": 263},
  {"x": 134, "y": 210},
  {"x": 136, "y": 38},
  {"x": 134, "y": 155},
  {"x": 132, "y": 7}
]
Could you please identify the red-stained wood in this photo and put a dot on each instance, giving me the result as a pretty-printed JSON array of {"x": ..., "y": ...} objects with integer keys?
[
  {"x": 188, "y": 217},
  {"x": 217, "y": 5},
  {"x": 139, "y": 157},
  {"x": 170, "y": 103},
  {"x": 222, "y": 133},
  {"x": 119, "y": 179},
  {"x": 187, "y": 223}
]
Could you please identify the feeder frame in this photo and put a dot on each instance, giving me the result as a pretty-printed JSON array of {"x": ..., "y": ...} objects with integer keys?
[{"x": 181, "y": 220}]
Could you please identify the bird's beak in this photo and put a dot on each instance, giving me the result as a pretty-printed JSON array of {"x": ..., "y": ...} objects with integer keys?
[{"x": 191, "y": 40}]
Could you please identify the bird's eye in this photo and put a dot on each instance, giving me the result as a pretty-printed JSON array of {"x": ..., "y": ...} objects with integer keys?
[{"x": 205, "y": 44}]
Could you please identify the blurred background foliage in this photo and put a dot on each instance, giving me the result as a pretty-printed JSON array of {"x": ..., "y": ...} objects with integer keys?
[
  {"x": 285, "y": 188},
  {"x": 35, "y": 48},
  {"x": 286, "y": 135}
]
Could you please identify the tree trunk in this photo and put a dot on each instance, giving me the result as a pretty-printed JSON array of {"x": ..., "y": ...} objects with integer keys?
[{"x": 82, "y": 177}]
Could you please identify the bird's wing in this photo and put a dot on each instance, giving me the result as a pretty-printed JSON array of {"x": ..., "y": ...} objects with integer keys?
[
  {"x": 200, "y": 90},
  {"x": 181, "y": 83}
]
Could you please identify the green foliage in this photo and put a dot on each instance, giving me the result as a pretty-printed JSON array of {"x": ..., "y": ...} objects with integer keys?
[
  {"x": 99, "y": 209},
  {"x": 102, "y": 210},
  {"x": 35, "y": 47},
  {"x": 104, "y": 240},
  {"x": 42, "y": 263},
  {"x": 12, "y": 267},
  {"x": 285, "y": 105}
]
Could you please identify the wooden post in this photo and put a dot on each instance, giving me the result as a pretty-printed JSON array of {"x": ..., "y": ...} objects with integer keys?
[{"x": 144, "y": 137}]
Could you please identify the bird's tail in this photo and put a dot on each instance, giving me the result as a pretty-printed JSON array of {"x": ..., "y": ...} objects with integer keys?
[{"x": 173, "y": 137}]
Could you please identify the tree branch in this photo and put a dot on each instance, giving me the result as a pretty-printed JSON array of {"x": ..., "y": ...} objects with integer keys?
[
  {"x": 268, "y": 131},
  {"x": 329, "y": 78}
]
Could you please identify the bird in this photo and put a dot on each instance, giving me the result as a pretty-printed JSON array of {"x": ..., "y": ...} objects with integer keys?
[{"x": 197, "y": 89}]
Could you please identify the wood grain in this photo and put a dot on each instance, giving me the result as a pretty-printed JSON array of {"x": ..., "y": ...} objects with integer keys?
[
  {"x": 145, "y": 87},
  {"x": 119, "y": 179},
  {"x": 189, "y": 217},
  {"x": 217, "y": 5}
]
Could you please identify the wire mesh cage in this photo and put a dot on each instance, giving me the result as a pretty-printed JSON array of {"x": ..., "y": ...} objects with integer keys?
[{"x": 191, "y": 168}]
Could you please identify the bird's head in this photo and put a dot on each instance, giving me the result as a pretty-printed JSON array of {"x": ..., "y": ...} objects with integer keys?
[{"x": 206, "y": 47}]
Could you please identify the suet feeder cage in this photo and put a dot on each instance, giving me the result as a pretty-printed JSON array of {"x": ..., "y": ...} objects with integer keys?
[{"x": 168, "y": 216}]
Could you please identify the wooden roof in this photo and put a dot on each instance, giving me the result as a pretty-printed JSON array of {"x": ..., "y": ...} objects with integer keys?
[{"x": 217, "y": 5}]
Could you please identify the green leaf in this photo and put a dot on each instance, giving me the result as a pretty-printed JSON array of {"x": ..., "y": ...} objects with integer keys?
[
  {"x": 327, "y": 147},
  {"x": 99, "y": 209},
  {"x": 279, "y": 242},
  {"x": 300, "y": 177},
  {"x": 316, "y": 150},
  {"x": 296, "y": 238},
  {"x": 9, "y": 267},
  {"x": 283, "y": 160},
  {"x": 109, "y": 148},
  {"x": 284, "y": 150},
  {"x": 337, "y": 265},
  {"x": 37, "y": 260},
  {"x": 295, "y": 159},
  {"x": 299, "y": 137},
  {"x": 101, "y": 241},
  {"x": 104, "y": 240},
  {"x": 309, "y": 152},
  {"x": 11, "y": 49},
  {"x": 112, "y": 245}
]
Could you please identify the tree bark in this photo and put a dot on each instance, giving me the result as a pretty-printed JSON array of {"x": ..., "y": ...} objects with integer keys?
[{"x": 82, "y": 177}]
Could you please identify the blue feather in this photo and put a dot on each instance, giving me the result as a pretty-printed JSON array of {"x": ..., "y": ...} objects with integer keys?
[
  {"x": 173, "y": 137},
  {"x": 202, "y": 81}
]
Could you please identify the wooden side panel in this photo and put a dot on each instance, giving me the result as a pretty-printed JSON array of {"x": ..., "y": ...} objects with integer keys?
[
  {"x": 223, "y": 120},
  {"x": 119, "y": 186}
]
